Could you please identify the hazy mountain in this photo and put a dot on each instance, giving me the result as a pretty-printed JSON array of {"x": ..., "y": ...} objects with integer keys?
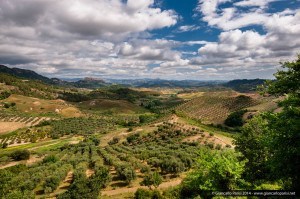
[
  {"x": 244, "y": 85},
  {"x": 23, "y": 73}
]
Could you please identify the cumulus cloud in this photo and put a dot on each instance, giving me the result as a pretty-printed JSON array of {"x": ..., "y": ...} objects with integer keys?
[
  {"x": 87, "y": 17},
  {"x": 158, "y": 49},
  {"x": 115, "y": 38},
  {"x": 248, "y": 49},
  {"x": 55, "y": 37}
]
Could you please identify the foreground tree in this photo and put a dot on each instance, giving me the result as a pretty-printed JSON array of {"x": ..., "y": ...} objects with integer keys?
[
  {"x": 275, "y": 137},
  {"x": 215, "y": 170},
  {"x": 250, "y": 143}
]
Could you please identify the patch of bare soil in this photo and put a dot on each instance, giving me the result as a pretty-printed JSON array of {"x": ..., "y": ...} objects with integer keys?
[
  {"x": 89, "y": 172},
  {"x": 30, "y": 161},
  {"x": 9, "y": 165},
  {"x": 6, "y": 127}
]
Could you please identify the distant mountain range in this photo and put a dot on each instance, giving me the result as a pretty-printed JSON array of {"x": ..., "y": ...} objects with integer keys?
[
  {"x": 23, "y": 73},
  {"x": 29, "y": 74},
  {"x": 152, "y": 83},
  {"x": 244, "y": 85},
  {"x": 241, "y": 85}
]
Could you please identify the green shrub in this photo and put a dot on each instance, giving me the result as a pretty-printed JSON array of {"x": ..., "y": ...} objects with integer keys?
[
  {"x": 147, "y": 194},
  {"x": 152, "y": 179},
  {"x": 235, "y": 119},
  {"x": 115, "y": 140},
  {"x": 4, "y": 145},
  {"x": 126, "y": 173},
  {"x": 50, "y": 158},
  {"x": 4, "y": 95},
  {"x": 20, "y": 155}
]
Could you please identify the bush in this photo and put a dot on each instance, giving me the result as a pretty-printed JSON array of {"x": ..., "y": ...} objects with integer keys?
[
  {"x": 219, "y": 147},
  {"x": 126, "y": 172},
  {"x": 20, "y": 155},
  {"x": 152, "y": 179},
  {"x": 6, "y": 105},
  {"x": 147, "y": 194},
  {"x": 50, "y": 158},
  {"x": 4, "y": 95},
  {"x": 115, "y": 140},
  {"x": 4, "y": 145},
  {"x": 133, "y": 137},
  {"x": 51, "y": 182},
  {"x": 142, "y": 194},
  {"x": 235, "y": 119}
]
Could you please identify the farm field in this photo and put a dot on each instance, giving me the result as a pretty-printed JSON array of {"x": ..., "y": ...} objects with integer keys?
[
  {"x": 111, "y": 148},
  {"x": 132, "y": 143},
  {"x": 214, "y": 107}
]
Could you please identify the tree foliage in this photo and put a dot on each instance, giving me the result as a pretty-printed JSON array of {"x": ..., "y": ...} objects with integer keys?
[
  {"x": 20, "y": 155},
  {"x": 274, "y": 138},
  {"x": 215, "y": 170},
  {"x": 235, "y": 119},
  {"x": 150, "y": 179}
]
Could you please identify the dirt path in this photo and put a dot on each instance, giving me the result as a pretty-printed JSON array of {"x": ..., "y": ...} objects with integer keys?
[
  {"x": 219, "y": 139},
  {"x": 164, "y": 185},
  {"x": 9, "y": 165},
  {"x": 30, "y": 161},
  {"x": 109, "y": 136}
]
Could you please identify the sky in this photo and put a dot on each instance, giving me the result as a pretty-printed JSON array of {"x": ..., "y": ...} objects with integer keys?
[{"x": 134, "y": 39}]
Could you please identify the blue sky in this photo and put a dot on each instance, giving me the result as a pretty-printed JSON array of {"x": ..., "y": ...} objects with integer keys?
[{"x": 167, "y": 39}]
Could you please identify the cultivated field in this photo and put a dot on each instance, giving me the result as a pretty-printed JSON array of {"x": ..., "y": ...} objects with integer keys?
[{"x": 214, "y": 107}]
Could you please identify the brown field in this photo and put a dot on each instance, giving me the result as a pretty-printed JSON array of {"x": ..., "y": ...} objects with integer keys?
[
  {"x": 6, "y": 127},
  {"x": 36, "y": 105}
]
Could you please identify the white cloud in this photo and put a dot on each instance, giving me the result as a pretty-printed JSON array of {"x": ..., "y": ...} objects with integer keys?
[
  {"x": 83, "y": 36},
  {"x": 159, "y": 50},
  {"x": 248, "y": 49},
  {"x": 188, "y": 28},
  {"x": 250, "y": 3},
  {"x": 105, "y": 18}
]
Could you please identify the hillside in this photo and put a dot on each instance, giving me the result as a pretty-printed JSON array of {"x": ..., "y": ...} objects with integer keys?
[
  {"x": 244, "y": 85},
  {"x": 87, "y": 82},
  {"x": 214, "y": 107},
  {"x": 162, "y": 83},
  {"x": 23, "y": 73},
  {"x": 31, "y": 88}
]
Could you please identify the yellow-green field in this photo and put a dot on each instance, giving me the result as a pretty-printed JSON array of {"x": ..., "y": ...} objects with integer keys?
[{"x": 40, "y": 106}]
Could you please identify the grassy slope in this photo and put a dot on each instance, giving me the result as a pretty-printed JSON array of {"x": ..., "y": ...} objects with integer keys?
[
  {"x": 37, "y": 106},
  {"x": 114, "y": 106}
]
